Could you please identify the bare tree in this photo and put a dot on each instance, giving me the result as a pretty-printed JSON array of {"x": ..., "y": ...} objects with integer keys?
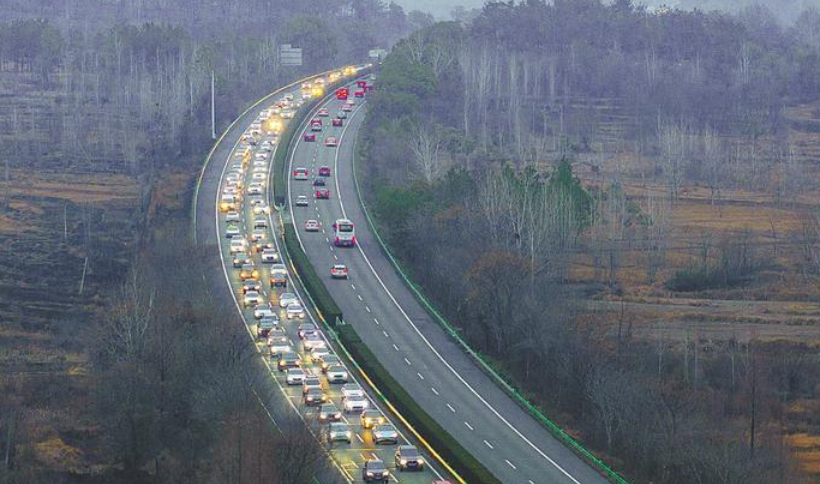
[{"x": 425, "y": 143}]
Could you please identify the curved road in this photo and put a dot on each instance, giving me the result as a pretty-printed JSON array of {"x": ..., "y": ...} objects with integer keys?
[
  {"x": 282, "y": 400},
  {"x": 417, "y": 352}
]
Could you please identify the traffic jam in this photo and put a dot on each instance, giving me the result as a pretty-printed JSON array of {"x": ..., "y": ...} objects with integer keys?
[{"x": 360, "y": 436}]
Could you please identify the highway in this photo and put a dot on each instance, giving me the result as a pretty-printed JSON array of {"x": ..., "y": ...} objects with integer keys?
[
  {"x": 417, "y": 352},
  {"x": 234, "y": 166}
]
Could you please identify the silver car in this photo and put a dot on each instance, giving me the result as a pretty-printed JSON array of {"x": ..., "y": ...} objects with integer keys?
[
  {"x": 337, "y": 374},
  {"x": 295, "y": 311},
  {"x": 385, "y": 434},
  {"x": 287, "y": 298},
  {"x": 339, "y": 432}
]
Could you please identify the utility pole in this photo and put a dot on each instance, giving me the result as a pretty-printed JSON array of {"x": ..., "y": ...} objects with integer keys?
[{"x": 213, "y": 109}]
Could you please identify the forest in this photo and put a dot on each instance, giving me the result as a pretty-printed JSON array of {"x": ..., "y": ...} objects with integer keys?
[
  {"x": 104, "y": 124},
  {"x": 618, "y": 207}
]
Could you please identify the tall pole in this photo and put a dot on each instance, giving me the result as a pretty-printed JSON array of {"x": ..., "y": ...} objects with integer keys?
[{"x": 213, "y": 109}]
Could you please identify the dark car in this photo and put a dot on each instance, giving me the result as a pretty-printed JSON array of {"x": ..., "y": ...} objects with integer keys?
[
  {"x": 309, "y": 137},
  {"x": 337, "y": 122},
  {"x": 319, "y": 182},
  {"x": 409, "y": 458},
  {"x": 324, "y": 171},
  {"x": 375, "y": 471}
]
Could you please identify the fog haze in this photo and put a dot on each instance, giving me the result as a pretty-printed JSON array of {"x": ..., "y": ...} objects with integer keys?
[{"x": 785, "y": 10}]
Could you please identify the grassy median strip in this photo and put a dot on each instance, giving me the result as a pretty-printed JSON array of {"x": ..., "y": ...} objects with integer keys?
[{"x": 467, "y": 466}]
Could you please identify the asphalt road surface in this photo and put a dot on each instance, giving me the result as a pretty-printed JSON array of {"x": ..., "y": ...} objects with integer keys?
[
  {"x": 282, "y": 401},
  {"x": 417, "y": 352}
]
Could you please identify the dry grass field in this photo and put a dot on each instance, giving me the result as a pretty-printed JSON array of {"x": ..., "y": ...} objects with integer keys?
[{"x": 780, "y": 304}]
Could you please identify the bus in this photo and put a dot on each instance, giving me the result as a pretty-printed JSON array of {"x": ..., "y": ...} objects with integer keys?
[
  {"x": 344, "y": 233},
  {"x": 342, "y": 93}
]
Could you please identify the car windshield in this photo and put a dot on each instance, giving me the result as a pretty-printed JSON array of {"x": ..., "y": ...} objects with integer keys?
[{"x": 409, "y": 452}]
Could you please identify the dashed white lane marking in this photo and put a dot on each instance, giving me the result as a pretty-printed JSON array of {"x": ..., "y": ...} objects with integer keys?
[
  {"x": 368, "y": 308},
  {"x": 360, "y": 438},
  {"x": 530, "y": 481},
  {"x": 490, "y": 446},
  {"x": 420, "y": 375},
  {"x": 434, "y": 390},
  {"x": 510, "y": 464},
  {"x": 353, "y": 286},
  {"x": 451, "y": 408},
  {"x": 395, "y": 347},
  {"x": 385, "y": 334},
  {"x": 376, "y": 321},
  {"x": 327, "y": 238},
  {"x": 407, "y": 361},
  {"x": 360, "y": 297},
  {"x": 469, "y": 426},
  {"x": 335, "y": 257}
]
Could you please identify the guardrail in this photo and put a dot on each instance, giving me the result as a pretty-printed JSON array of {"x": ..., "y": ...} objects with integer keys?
[
  {"x": 505, "y": 384},
  {"x": 439, "y": 443}
]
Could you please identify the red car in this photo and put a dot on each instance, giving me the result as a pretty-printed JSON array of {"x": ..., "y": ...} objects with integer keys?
[
  {"x": 324, "y": 171},
  {"x": 322, "y": 193},
  {"x": 331, "y": 141},
  {"x": 323, "y": 113},
  {"x": 359, "y": 93},
  {"x": 310, "y": 137},
  {"x": 337, "y": 122},
  {"x": 361, "y": 83}
]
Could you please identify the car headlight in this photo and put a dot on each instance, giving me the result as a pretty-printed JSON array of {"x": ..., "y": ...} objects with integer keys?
[
  {"x": 420, "y": 460},
  {"x": 369, "y": 474},
  {"x": 404, "y": 462},
  {"x": 349, "y": 434},
  {"x": 386, "y": 472}
]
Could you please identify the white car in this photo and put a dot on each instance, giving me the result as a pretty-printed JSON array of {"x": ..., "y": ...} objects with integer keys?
[
  {"x": 295, "y": 311},
  {"x": 255, "y": 188},
  {"x": 232, "y": 230},
  {"x": 295, "y": 376},
  {"x": 287, "y": 298},
  {"x": 355, "y": 404},
  {"x": 263, "y": 311},
  {"x": 260, "y": 222},
  {"x": 300, "y": 174},
  {"x": 316, "y": 354},
  {"x": 337, "y": 374},
  {"x": 301, "y": 201},
  {"x": 259, "y": 167},
  {"x": 314, "y": 341},
  {"x": 238, "y": 245},
  {"x": 232, "y": 216},
  {"x": 251, "y": 298},
  {"x": 312, "y": 226},
  {"x": 259, "y": 234},
  {"x": 261, "y": 156},
  {"x": 270, "y": 256},
  {"x": 259, "y": 177},
  {"x": 352, "y": 390},
  {"x": 261, "y": 208}
]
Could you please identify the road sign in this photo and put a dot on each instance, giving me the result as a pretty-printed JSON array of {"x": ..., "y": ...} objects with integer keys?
[
  {"x": 377, "y": 54},
  {"x": 290, "y": 56}
]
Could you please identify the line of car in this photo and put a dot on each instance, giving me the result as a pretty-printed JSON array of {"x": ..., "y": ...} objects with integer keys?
[{"x": 318, "y": 371}]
